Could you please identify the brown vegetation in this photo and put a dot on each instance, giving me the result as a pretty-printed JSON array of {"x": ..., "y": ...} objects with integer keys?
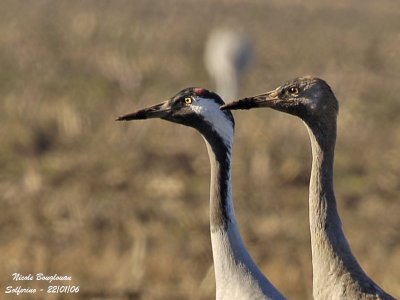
[{"x": 123, "y": 208}]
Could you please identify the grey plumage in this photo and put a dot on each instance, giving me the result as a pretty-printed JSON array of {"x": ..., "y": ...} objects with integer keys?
[
  {"x": 336, "y": 272},
  {"x": 237, "y": 276}
]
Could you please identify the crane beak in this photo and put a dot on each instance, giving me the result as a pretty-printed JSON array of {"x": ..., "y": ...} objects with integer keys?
[
  {"x": 160, "y": 110},
  {"x": 268, "y": 99}
]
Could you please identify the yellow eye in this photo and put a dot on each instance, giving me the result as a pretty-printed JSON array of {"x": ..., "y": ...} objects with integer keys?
[
  {"x": 188, "y": 100},
  {"x": 294, "y": 91}
]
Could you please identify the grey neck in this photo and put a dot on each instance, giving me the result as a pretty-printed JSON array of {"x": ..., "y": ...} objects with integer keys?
[
  {"x": 336, "y": 272},
  {"x": 236, "y": 274},
  {"x": 323, "y": 211}
]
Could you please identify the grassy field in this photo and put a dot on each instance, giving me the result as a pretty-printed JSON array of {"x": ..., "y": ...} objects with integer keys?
[{"x": 123, "y": 208}]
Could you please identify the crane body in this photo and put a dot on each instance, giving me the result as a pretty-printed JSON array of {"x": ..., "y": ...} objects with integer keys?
[
  {"x": 236, "y": 274},
  {"x": 336, "y": 272}
]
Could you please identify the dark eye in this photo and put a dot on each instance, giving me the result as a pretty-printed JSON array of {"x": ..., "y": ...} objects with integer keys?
[
  {"x": 188, "y": 100},
  {"x": 294, "y": 91}
]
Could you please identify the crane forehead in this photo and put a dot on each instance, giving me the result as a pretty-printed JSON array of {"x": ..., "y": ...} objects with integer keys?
[{"x": 199, "y": 91}]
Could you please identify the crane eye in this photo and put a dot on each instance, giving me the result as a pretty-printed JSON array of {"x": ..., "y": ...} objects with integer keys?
[
  {"x": 294, "y": 91},
  {"x": 188, "y": 100}
]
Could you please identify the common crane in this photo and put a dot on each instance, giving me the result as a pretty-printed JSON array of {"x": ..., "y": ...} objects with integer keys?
[
  {"x": 336, "y": 272},
  {"x": 236, "y": 274}
]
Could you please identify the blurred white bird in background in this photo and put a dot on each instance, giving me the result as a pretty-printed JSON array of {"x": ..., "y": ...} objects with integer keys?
[{"x": 227, "y": 55}]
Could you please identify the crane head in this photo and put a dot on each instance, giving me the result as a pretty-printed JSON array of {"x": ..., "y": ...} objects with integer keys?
[
  {"x": 309, "y": 98},
  {"x": 195, "y": 107}
]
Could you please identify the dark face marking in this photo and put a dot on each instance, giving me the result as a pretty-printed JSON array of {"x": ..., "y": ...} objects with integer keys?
[
  {"x": 182, "y": 113},
  {"x": 185, "y": 115},
  {"x": 309, "y": 98},
  {"x": 199, "y": 108},
  {"x": 309, "y": 94}
]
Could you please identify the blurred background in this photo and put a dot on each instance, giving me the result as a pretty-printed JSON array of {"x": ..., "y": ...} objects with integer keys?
[{"x": 123, "y": 207}]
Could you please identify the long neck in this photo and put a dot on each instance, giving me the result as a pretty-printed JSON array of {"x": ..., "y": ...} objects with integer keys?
[
  {"x": 323, "y": 211},
  {"x": 335, "y": 269},
  {"x": 237, "y": 276}
]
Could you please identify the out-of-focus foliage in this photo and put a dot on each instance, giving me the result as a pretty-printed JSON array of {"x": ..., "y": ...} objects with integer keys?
[{"x": 123, "y": 208}]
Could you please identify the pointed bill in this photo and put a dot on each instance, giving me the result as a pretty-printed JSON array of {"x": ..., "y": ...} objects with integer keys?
[
  {"x": 263, "y": 100},
  {"x": 155, "y": 111}
]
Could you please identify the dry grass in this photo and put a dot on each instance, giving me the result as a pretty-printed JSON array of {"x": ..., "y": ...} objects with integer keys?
[{"x": 122, "y": 208}]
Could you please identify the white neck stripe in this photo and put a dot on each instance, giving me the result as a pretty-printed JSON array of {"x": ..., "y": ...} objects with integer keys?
[{"x": 211, "y": 113}]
